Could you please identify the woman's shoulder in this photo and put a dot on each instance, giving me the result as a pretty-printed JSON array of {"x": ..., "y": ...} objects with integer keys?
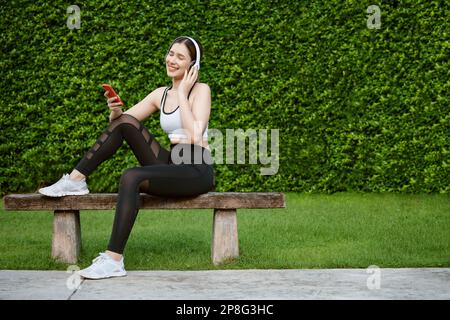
[
  {"x": 201, "y": 87},
  {"x": 161, "y": 89},
  {"x": 159, "y": 92},
  {"x": 197, "y": 87}
]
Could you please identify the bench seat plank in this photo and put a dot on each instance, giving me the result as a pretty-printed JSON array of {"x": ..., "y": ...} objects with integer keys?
[{"x": 106, "y": 201}]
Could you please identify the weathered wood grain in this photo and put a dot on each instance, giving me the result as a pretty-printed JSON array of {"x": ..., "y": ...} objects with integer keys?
[
  {"x": 225, "y": 243},
  {"x": 66, "y": 241},
  {"x": 106, "y": 201}
]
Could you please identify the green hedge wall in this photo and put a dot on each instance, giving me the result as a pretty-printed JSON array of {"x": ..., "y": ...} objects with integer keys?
[{"x": 357, "y": 108}]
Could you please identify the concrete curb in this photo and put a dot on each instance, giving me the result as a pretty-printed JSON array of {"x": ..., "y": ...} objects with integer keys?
[{"x": 291, "y": 284}]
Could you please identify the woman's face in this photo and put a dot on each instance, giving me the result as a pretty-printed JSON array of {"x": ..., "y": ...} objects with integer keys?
[{"x": 177, "y": 60}]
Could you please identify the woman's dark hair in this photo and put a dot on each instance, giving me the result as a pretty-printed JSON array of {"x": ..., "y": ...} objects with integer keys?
[{"x": 190, "y": 46}]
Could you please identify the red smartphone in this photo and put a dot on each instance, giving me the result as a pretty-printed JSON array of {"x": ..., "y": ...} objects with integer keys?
[{"x": 111, "y": 93}]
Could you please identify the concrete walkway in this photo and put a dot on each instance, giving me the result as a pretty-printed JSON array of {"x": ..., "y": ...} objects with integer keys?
[{"x": 391, "y": 284}]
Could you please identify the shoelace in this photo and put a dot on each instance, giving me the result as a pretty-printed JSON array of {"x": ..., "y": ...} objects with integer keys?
[
  {"x": 65, "y": 179},
  {"x": 102, "y": 257}
]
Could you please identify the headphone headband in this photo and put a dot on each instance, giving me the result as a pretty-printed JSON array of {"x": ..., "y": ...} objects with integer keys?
[{"x": 197, "y": 50}]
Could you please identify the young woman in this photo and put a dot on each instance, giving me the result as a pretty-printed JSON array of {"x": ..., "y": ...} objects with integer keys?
[{"x": 184, "y": 170}]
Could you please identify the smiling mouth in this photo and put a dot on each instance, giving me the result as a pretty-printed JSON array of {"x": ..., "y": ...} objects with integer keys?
[{"x": 172, "y": 68}]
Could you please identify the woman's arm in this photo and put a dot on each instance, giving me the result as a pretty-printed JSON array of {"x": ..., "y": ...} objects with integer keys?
[
  {"x": 147, "y": 106},
  {"x": 195, "y": 118}
]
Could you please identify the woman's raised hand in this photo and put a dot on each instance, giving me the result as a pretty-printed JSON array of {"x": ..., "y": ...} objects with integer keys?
[
  {"x": 113, "y": 103},
  {"x": 189, "y": 79}
]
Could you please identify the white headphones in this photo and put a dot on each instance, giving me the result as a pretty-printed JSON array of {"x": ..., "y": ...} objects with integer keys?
[{"x": 197, "y": 50}]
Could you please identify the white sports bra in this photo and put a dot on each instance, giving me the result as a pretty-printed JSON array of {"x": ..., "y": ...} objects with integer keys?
[{"x": 171, "y": 122}]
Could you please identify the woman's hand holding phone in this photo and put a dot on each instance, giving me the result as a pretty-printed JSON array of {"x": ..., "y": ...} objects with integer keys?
[{"x": 115, "y": 104}]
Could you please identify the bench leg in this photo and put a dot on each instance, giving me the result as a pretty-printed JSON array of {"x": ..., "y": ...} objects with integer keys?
[
  {"x": 66, "y": 241},
  {"x": 225, "y": 243}
]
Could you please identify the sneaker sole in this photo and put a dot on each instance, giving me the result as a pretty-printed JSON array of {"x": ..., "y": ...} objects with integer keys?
[
  {"x": 62, "y": 194},
  {"x": 98, "y": 278}
]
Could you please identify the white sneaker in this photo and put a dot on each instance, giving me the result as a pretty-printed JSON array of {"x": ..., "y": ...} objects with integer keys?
[
  {"x": 104, "y": 267},
  {"x": 65, "y": 187}
]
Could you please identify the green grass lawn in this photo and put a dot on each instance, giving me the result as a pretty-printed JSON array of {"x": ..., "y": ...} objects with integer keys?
[{"x": 343, "y": 230}]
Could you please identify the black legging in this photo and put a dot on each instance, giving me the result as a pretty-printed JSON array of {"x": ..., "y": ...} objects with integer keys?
[{"x": 159, "y": 174}]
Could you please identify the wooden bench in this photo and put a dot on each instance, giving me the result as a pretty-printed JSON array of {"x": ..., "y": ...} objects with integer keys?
[{"x": 66, "y": 242}]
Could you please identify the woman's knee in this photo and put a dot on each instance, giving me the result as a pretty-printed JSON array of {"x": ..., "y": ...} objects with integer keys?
[
  {"x": 124, "y": 119},
  {"x": 144, "y": 186},
  {"x": 130, "y": 178}
]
